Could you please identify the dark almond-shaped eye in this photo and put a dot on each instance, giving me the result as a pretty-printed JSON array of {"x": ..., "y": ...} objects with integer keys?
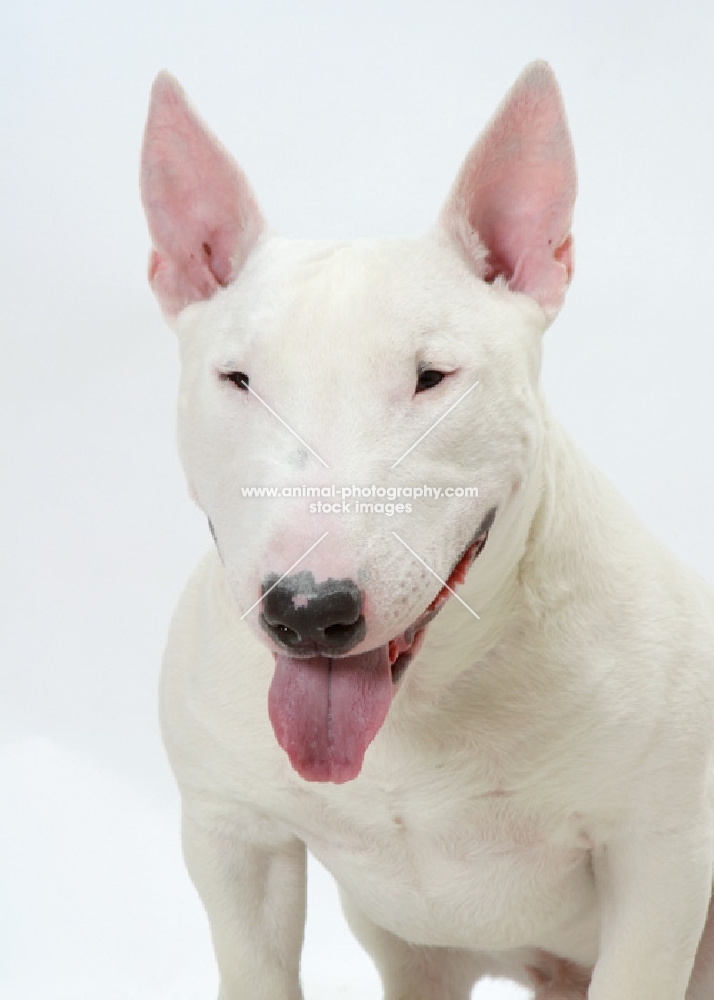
[
  {"x": 239, "y": 379},
  {"x": 428, "y": 378}
]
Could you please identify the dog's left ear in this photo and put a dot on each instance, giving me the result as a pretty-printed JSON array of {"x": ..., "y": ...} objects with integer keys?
[{"x": 511, "y": 206}]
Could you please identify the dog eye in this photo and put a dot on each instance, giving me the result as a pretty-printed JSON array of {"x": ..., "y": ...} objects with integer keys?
[
  {"x": 239, "y": 379},
  {"x": 428, "y": 378}
]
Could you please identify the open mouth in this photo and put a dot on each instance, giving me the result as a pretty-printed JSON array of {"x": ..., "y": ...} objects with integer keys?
[
  {"x": 404, "y": 648},
  {"x": 325, "y": 711}
]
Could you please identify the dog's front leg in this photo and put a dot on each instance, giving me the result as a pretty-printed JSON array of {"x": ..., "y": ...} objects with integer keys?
[
  {"x": 255, "y": 900},
  {"x": 654, "y": 891}
]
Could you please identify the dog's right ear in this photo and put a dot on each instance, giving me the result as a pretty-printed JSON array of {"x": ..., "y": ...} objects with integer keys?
[{"x": 202, "y": 215}]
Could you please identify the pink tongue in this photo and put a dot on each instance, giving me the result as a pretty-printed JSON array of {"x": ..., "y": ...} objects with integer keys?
[{"x": 326, "y": 712}]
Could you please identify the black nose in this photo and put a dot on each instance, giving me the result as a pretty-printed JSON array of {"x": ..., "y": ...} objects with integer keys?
[{"x": 308, "y": 618}]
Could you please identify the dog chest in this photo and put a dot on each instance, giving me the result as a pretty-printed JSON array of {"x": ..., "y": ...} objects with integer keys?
[{"x": 485, "y": 872}]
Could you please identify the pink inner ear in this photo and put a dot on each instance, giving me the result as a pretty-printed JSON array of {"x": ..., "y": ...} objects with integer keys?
[
  {"x": 202, "y": 215},
  {"x": 516, "y": 190}
]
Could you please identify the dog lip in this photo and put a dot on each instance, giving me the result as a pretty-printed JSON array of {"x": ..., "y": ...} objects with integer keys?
[
  {"x": 414, "y": 632},
  {"x": 297, "y": 654}
]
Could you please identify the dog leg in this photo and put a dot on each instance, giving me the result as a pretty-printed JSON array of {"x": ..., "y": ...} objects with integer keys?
[
  {"x": 654, "y": 890},
  {"x": 255, "y": 900},
  {"x": 412, "y": 972}
]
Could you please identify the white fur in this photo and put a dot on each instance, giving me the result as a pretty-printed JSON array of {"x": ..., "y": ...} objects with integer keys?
[{"x": 543, "y": 781}]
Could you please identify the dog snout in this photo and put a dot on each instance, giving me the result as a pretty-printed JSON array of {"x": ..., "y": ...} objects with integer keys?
[{"x": 309, "y": 618}]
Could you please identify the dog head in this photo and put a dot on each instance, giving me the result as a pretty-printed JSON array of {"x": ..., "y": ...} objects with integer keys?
[{"x": 349, "y": 380}]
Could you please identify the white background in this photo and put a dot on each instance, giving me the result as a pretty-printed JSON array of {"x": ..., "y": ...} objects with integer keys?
[{"x": 351, "y": 120}]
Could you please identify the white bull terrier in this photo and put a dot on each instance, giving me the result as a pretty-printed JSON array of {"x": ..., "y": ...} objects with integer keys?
[{"x": 526, "y": 793}]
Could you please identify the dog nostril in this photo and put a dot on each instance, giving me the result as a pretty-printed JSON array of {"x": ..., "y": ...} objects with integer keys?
[
  {"x": 286, "y": 633},
  {"x": 339, "y": 629}
]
